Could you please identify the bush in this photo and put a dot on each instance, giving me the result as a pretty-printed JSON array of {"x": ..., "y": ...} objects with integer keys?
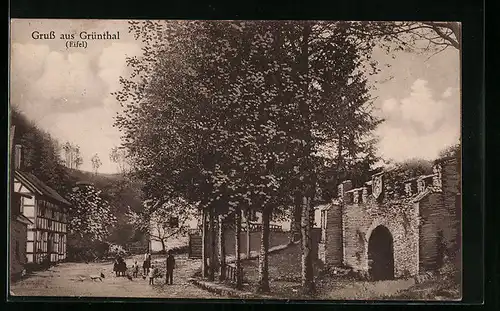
[
  {"x": 184, "y": 249},
  {"x": 89, "y": 252}
]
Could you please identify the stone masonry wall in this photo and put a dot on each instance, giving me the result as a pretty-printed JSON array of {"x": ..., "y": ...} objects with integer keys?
[
  {"x": 452, "y": 200},
  {"x": 360, "y": 219},
  {"x": 424, "y": 221},
  {"x": 330, "y": 250},
  {"x": 440, "y": 217},
  {"x": 18, "y": 234}
]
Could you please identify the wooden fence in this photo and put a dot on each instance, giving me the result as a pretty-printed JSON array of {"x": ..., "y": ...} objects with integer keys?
[{"x": 231, "y": 275}]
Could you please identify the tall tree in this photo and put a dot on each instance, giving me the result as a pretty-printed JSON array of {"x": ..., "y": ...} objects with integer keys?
[
  {"x": 245, "y": 116},
  {"x": 96, "y": 163},
  {"x": 90, "y": 216},
  {"x": 72, "y": 156},
  {"x": 119, "y": 156},
  {"x": 332, "y": 106}
]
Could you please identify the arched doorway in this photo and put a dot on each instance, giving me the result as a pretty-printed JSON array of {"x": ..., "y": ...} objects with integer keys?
[{"x": 381, "y": 254}]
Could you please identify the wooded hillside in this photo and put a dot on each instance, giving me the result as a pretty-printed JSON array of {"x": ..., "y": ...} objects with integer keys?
[{"x": 42, "y": 156}]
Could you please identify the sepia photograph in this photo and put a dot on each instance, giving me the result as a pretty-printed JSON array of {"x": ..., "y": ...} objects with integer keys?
[{"x": 235, "y": 159}]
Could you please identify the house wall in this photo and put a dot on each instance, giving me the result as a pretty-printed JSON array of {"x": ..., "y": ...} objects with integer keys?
[
  {"x": 49, "y": 227},
  {"x": 17, "y": 248},
  {"x": 275, "y": 239},
  {"x": 173, "y": 242},
  {"x": 50, "y": 232},
  {"x": 285, "y": 224}
]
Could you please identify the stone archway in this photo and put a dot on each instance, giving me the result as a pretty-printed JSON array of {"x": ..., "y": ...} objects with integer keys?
[{"x": 381, "y": 254}]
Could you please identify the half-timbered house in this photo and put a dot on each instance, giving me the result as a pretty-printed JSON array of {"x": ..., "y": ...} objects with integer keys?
[
  {"x": 48, "y": 212},
  {"x": 18, "y": 225}
]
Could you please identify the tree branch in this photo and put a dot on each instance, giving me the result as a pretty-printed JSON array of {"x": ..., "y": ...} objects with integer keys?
[{"x": 436, "y": 27}]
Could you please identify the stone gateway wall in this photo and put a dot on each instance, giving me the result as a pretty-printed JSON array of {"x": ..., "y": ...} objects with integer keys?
[
  {"x": 422, "y": 216},
  {"x": 401, "y": 221}
]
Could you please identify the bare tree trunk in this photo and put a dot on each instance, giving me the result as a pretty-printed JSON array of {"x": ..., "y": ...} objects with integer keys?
[
  {"x": 248, "y": 233},
  {"x": 295, "y": 232},
  {"x": 213, "y": 239},
  {"x": 204, "y": 243},
  {"x": 222, "y": 250},
  {"x": 264, "y": 253},
  {"x": 237, "y": 246},
  {"x": 308, "y": 286},
  {"x": 163, "y": 247}
]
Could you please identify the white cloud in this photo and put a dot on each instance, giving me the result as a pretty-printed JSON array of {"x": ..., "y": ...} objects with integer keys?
[
  {"x": 68, "y": 93},
  {"x": 447, "y": 93},
  {"x": 404, "y": 143},
  {"x": 91, "y": 129},
  {"x": 418, "y": 126},
  {"x": 27, "y": 60},
  {"x": 112, "y": 62},
  {"x": 68, "y": 80},
  {"x": 420, "y": 107},
  {"x": 390, "y": 106}
]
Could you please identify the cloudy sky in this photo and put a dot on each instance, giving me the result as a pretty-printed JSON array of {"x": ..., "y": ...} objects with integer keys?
[{"x": 67, "y": 91}]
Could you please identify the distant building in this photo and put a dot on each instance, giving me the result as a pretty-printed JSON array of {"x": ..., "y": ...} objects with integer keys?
[
  {"x": 256, "y": 220},
  {"x": 47, "y": 211},
  {"x": 178, "y": 240}
]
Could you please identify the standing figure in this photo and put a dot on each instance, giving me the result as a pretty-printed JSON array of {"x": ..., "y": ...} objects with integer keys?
[
  {"x": 135, "y": 270},
  {"x": 115, "y": 267},
  {"x": 147, "y": 263},
  {"x": 170, "y": 268},
  {"x": 152, "y": 275}
]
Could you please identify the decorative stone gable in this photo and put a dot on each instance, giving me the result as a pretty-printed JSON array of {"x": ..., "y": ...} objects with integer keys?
[
  {"x": 408, "y": 189},
  {"x": 437, "y": 181},
  {"x": 355, "y": 198},
  {"x": 377, "y": 186},
  {"x": 364, "y": 196},
  {"x": 343, "y": 190},
  {"x": 420, "y": 184}
]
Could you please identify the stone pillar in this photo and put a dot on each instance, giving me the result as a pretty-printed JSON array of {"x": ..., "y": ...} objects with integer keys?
[
  {"x": 364, "y": 195},
  {"x": 437, "y": 182},
  {"x": 343, "y": 188}
]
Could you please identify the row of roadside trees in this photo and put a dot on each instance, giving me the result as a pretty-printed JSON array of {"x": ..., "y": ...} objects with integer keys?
[{"x": 245, "y": 115}]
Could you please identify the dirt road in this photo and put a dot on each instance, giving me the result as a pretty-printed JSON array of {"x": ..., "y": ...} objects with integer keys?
[{"x": 73, "y": 280}]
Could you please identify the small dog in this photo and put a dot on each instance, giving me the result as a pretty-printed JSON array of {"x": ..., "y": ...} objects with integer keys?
[{"x": 97, "y": 277}]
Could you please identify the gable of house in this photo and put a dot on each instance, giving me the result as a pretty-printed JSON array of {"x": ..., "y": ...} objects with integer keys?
[{"x": 37, "y": 187}]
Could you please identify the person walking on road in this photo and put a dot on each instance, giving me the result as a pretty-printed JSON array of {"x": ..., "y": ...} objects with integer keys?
[{"x": 169, "y": 279}]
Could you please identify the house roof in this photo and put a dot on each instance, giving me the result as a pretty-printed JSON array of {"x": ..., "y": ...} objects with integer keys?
[{"x": 39, "y": 187}]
